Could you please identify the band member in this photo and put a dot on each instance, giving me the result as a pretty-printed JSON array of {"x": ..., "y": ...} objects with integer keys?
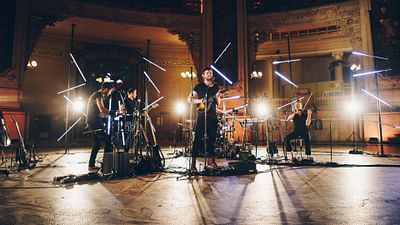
[
  {"x": 116, "y": 98},
  {"x": 301, "y": 120},
  {"x": 96, "y": 118},
  {"x": 206, "y": 96},
  {"x": 115, "y": 103},
  {"x": 131, "y": 105}
]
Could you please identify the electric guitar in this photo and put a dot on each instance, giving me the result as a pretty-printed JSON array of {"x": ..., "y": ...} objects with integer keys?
[{"x": 5, "y": 139}]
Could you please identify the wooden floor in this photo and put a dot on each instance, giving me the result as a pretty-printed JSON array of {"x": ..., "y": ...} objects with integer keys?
[{"x": 355, "y": 189}]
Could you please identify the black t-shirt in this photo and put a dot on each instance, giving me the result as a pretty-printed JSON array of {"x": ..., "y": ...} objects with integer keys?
[
  {"x": 116, "y": 99},
  {"x": 130, "y": 106},
  {"x": 93, "y": 117},
  {"x": 299, "y": 122},
  {"x": 201, "y": 90}
]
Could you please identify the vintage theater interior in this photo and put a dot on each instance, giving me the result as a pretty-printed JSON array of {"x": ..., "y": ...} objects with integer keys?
[{"x": 199, "y": 112}]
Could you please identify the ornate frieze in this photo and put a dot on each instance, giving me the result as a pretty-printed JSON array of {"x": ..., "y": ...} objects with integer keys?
[
  {"x": 52, "y": 52},
  {"x": 36, "y": 25},
  {"x": 346, "y": 16}
]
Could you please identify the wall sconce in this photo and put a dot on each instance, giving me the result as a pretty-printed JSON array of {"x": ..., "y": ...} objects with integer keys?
[
  {"x": 256, "y": 74},
  {"x": 32, "y": 64},
  {"x": 188, "y": 75},
  {"x": 355, "y": 67}
]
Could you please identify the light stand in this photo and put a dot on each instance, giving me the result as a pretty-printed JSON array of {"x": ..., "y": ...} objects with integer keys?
[
  {"x": 66, "y": 150},
  {"x": 355, "y": 150},
  {"x": 190, "y": 147},
  {"x": 379, "y": 108}
]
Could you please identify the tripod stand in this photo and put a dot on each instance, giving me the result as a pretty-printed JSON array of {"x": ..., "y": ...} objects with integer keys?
[{"x": 353, "y": 136}]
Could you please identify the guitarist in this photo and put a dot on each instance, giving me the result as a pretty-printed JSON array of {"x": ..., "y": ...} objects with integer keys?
[
  {"x": 96, "y": 118},
  {"x": 206, "y": 96}
]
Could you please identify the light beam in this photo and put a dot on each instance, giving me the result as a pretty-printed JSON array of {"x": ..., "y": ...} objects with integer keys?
[
  {"x": 284, "y": 61},
  {"x": 159, "y": 67},
  {"x": 69, "y": 129},
  {"x": 375, "y": 97},
  {"x": 283, "y": 77},
  {"x": 222, "y": 52},
  {"x": 80, "y": 85},
  {"x": 371, "y": 56},
  {"x": 148, "y": 77},
  {"x": 283, "y": 106},
  {"x": 77, "y": 66},
  {"x": 370, "y": 72},
  {"x": 221, "y": 74}
]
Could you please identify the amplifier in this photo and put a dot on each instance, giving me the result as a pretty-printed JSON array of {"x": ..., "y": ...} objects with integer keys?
[{"x": 121, "y": 163}]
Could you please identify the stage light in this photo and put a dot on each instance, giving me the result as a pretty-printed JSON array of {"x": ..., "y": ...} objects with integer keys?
[
  {"x": 80, "y": 85},
  {"x": 180, "y": 108},
  {"x": 221, "y": 74},
  {"x": 353, "y": 107},
  {"x": 77, "y": 66},
  {"x": 154, "y": 64},
  {"x": 78, "y": 105},
  {"x": 231, "y": 98},
  {"x": 152, "y": 83},
  {"x": 371, "y": 56},
  {"x": 261, "y": 109},
  {"x": 227, "y": 46},
  {"x": 151, "y": 104},
  {"x": 370, "y": 72},
  {"x": 284, "y": 61},
  {"x": 292, "y": 102},
  {"x": 375, "y": 97},
  {"x": 283, "y": 77}
]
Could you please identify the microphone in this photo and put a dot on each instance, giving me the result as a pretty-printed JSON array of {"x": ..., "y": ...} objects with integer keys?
[{"x": 211, "y": 79}]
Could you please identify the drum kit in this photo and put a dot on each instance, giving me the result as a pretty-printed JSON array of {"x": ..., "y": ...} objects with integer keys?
[{"x": 235, "y": 130}]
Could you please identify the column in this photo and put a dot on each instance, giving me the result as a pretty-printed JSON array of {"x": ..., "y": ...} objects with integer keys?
[
  {"x": 207, "y": 36},
  {"x": 243, "y": 70},
  {"x": 338, "y": 57}
]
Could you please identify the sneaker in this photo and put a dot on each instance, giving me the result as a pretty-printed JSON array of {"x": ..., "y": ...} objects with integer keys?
[{"x": 93, "y": 168}]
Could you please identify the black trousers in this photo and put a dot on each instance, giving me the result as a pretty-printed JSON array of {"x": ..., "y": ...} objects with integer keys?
[
  {"x": 198, "y": 144},
  {"x": 295, "y": 134},
  {"x": 99, "y": 137}
]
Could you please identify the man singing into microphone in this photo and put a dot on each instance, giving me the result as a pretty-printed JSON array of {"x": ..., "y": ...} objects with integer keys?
[{"x": 206, "y": 96}]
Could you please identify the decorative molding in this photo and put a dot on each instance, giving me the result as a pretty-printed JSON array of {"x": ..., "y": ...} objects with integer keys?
[
  {"x": 345, "y": 15},
  {"x": 52, "y": 52},
  {"x": 187, "y": 27},
  {"x": 172, "y": 61},
  {"x": 192, "y": 39},
  {"x": 8, "y": 79}
]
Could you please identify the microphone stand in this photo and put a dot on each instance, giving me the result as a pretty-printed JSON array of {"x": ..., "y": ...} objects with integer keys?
[
  {"x": 205, "y": 129},
  {"x": 190, "y": 147}
]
